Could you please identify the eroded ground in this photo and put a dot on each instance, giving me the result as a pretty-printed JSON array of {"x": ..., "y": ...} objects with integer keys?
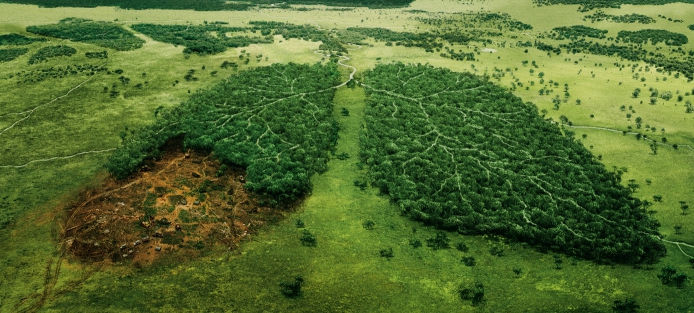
[{"x": 185, "y": 201}]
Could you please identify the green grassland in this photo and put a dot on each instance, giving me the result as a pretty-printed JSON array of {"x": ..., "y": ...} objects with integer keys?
[{"x": 73, "y": 125}]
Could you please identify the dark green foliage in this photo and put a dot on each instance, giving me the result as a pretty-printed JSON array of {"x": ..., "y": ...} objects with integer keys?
[
  {"x": 587, "y": 5},
  {"x": 416, "y": 243},
  {"x": 469, "y": 260},
  {"x": 517, "y": 271},
  {"x": 369, "y": 225},
  {"x": 440, "y": 241},
  {"x": 599, "y": 16},
  {"x": 679, "y": 279},
  {"x": 545, "y": 47},
  {"x": 292, "y": 289},
  {"x": 496, "y": 251},
  {"x": 308, "y": 239},
  {"x": 274, "y": 121},
  {"x": 386, "y": 253},
  {"x": 97, "y": 55},
  {"x": 654, "y": 36},
  {"x": 104, "y": 34},
  {"x": 7, "y": 55},
  {"x": 625, "y": 306},
  {"x": 299, "y": 224},
  {"x": 461, "y": 246},
  {"x": 304, "y": 32},
  {"x": 691, "y": 27},
  {"x": 462, "y": 154},
  {"x": 474, "y": 293},
  {"x": 424, "y": 40},
  {"x": 199, "y": 39},
  {"x": 18, "y": 40},
  {"x": 576, "y": 31},
  {"x": 667, "y": 274},
  {"x": 46, "y": 53}
]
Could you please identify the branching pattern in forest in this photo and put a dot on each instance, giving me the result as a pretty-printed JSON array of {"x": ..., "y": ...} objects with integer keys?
[{"x": 462, "y": 154}]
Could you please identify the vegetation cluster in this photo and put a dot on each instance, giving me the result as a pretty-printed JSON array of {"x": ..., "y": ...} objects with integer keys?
[
  {"x": 10, "y": 54},
  {"x": 18, "y": 40},
  {"x": 587, "y": 5},
  {"x": 104, "y": 34},
  {"x": 274, "y": 121},
  {"x": 457, "y": 152},
  {"x": 199, "y": 39},
  {"x": 57, "y": 72},
  {"x": 654, "y": 36},
  {"x": 600, "y": 16},
  {"x": 45, "y": 53},
  {"x": 576, "y": 31}
]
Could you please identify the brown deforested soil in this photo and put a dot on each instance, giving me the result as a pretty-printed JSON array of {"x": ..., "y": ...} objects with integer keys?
[{"x": 184, "y": 202}]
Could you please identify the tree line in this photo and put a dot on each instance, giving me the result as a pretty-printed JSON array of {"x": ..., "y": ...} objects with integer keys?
[
  {"x": 654, "y": 36},
  {"x": 104, "y": 34},
  {"x": 275, "y": 121},
  {"x": 600, "y": 16},
  {"x": 7, "y": 55},
  {"x": 587, "y": 5},
  {"x": 455, "y": 151},
  {"x": 45, "y": 53},
  {"x": 18, "y": 40}
]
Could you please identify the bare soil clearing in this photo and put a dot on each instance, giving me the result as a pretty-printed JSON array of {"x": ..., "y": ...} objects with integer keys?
[{"x": 185, "y": 201}]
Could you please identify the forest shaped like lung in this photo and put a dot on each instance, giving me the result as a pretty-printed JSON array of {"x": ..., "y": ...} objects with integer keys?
[
  {"x": 455, "y": 151},
  {"x": 275, "y": 121}
]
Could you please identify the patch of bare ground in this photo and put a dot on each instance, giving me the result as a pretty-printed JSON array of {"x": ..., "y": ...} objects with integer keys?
[{"x": 183, "y": 202}]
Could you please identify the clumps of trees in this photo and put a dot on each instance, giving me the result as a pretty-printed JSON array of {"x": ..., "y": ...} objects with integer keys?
[
  {"x": 475, "y": 293},
  {"x": 45, "y": 53},
  {"x": 275, "y": 121},
  {"x": 669, "y": 276},
  {"x": 198, "y": 39},
  {"x": 587, "y": 5},
  {"x": 654, "y": 36},
  {"x": 104, "y": 34},
  {"x": 96, "y": 55},
  {"x": 58, "y": 72},
  {"x": 304, "y": 32},
  {"x": 7, "y": 55},
  {"x": 600, "y": 16},
  {"x": 292, "y": 289},
  {"x": 455, "y": 151},
  {"x": 18, "y": 40},
  {"x": 423, "y": 40},
  {"x": 576, "y": 31}
]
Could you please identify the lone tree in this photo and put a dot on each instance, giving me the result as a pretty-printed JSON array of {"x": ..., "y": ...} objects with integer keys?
[
  {"x": 625, "y": 306},
  {"x": 684, "y": 207}
]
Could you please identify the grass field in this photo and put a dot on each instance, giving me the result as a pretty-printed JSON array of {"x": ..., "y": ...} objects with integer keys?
[{"x": 68, "y": 126}]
